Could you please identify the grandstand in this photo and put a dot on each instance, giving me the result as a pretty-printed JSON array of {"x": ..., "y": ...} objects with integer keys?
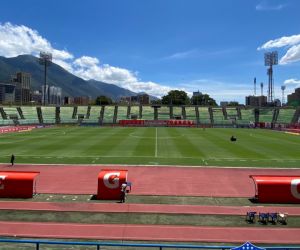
[{"x": 200, "y": 115}]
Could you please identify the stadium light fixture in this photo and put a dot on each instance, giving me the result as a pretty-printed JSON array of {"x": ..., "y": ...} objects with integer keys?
[
  {"x": 271, "y": 58},
  {"x": 46, "y": 60}
]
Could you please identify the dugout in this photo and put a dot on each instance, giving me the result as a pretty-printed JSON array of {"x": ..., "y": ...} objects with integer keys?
[
  {"x": 18, "y": 184},
  {"x": 110, "y": 182},
  {"x": 276, "y": 189}
]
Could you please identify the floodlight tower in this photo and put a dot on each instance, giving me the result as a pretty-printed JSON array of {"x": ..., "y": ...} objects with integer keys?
[
  {"x": 46, "y": 60},
  {"x": 283, "y": 89},
  {"x": 271, "y": 58},
  {"x": 261, "y": 88},
  {"x": 255, "y": 86}
]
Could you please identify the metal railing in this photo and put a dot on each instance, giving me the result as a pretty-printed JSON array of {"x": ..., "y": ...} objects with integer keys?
[{"x": 98, "y": 245}]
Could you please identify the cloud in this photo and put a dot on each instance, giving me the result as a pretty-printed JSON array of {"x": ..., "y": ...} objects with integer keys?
[
  {"x": 267, "y": 6},
  {"x": 292, "y": 55},
  {"x": 281, "y": 42},
  {"x": 183, "y": 55},
  {"x": 18, "y": 39},
  {"x": 291, "y": 42},
  {"x": 291, "y": 81}
]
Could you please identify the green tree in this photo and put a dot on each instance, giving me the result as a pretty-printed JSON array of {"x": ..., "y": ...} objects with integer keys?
[
  {"x": 103, "y": 100},
  {"x": 203, "y": 99},
  {"x": 176, "y": 97},
  {"x": 234, "y": 103}
]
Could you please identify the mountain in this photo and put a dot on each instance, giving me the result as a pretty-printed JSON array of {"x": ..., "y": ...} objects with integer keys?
[{"x": 57, "y": 76}]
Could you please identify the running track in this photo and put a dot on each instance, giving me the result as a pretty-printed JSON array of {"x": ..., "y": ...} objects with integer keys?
[
  {"x": 151, "y": 232},
  {"x": 142, "y": 208},
  {"x": 183, "y": 181},
  {"x": 151, "y": 180}
]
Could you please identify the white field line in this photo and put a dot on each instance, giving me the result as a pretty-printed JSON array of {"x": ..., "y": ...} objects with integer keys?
[
  {"x": 146, "y": 165},
  {"x": 155, "y": 142},
  {"x": 162, "y": 157}
]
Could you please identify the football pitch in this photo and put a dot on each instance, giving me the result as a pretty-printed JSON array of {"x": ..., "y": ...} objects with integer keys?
[{"x": 153, "y": 146}]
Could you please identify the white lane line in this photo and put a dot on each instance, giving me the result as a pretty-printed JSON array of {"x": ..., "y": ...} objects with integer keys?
[{"x": 155, "y": 142}]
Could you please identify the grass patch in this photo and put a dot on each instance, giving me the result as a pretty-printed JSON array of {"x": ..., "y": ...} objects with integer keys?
[
  {"x": 153, "y": 146},
  {"x": 136, "y": 218},
  {"x": 151, "y": 199}
]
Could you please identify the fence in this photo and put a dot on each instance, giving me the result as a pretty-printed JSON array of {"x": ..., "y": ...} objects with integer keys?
[{"x": 98, "y": 245}]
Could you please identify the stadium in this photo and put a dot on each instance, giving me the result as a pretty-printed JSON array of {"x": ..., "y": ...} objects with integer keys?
[{"x": 190, "y": 184}]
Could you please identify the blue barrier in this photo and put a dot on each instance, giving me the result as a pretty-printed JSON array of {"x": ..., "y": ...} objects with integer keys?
[{"x": 98, "y": 245}]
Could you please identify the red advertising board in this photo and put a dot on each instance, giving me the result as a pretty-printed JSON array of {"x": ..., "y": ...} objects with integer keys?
[
  {"x": 17, "y": 184},
  {"x": 109, "y": 184},
  {"x": 277, "y": 189}
]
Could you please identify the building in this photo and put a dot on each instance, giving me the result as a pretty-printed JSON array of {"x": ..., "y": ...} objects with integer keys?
[
  {"x": 82, "y": 100},
  {"x": 22, "y": 82},
  {"x": 135, "y": 99},
  {"x": 143, "y": 99},
  {"x": 197, "y": 93},
  {"x": 36, "y": 97},
  {"x": 68, "y": 100},
  {"x": 224, "y": 103},
  {"x": 294, "y": 98},
  {"x": 7, "y": 93},
  {"x": 51, "y": 95},
  {"x": 256, "y": 100},
  {"x": 55, "y": 95}
]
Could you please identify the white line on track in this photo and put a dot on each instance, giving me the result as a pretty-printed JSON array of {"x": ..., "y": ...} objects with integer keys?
[{"x": 155, "y": 142}]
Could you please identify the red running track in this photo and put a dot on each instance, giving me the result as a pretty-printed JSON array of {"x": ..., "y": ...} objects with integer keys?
[
  {"x": 143, "y": 208},
  {"x": 151, "y": 232},
  {"x": 151, "y": 180}
]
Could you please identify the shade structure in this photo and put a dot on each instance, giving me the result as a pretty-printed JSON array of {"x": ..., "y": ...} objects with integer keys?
[
  {"x": 110, "y": 182},
  {"x": 17, "y": 184},
  {"x": 277, "y": 189}
]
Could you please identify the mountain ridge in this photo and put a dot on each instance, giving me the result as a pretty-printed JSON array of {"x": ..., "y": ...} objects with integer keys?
[{"x": 57, "y": 76}]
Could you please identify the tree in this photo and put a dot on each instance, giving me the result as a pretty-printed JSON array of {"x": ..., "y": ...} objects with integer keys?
[
  {"x": 176, "y": 97},
  {"x": 233, "y": 103},
  {"x": 203, "y": 99},
  {"x": 103, "y": 100}
]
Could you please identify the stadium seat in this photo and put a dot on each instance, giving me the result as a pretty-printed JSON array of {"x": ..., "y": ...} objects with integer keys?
[
  {"x": 250, "y": 217},
  {"x": 263, "y": 218},
  {"x": 282, "y": 218}
]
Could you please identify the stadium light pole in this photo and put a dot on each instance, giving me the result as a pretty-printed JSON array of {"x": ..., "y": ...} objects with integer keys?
[
  {"x": 46, "y": 60},
  {"x": 271, "y": 58}
]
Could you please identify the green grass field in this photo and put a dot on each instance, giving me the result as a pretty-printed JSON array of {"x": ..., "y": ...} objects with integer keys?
[{"x": 154, "y": 146}]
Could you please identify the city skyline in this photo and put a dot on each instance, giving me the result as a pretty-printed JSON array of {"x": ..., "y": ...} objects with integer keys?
[{"x": 216, "y": 47}]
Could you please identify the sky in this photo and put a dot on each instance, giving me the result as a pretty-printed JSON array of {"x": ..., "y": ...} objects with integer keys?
[{"x": 154, "y": 46}]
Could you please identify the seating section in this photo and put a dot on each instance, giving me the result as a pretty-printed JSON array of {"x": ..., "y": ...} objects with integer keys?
[
  {"x": 48, "y": 115},
  {"x": 94, "y": 115},
  {"x": 134, "y": 112},
  {"x": 247, "y": 116},
  {"x": 66, "y": 114},
  {"x": 163, "y": 113},
  {"x": 204, "y": 115},
  {"x": 122, "y": 113},
  {"x": 177, "y": 112},
  {"x": 285, "y": 116},
  {"x": 147, "y": 113},
  {"x": 30, "y": 115},
  {"x": 11, "y": 111},
  {"x": 81, "y": 110},
  {"x": 266, "y": 115},
  {"x": 190, "y": 113},
  {"x": 219, "y": 118},
  {"x": 108, "y": 114}
]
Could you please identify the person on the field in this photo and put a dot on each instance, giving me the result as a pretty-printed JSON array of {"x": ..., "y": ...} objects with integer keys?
[
  {"x": 123, "y": 192},
  {"x": 12, "y": 159},
  {"x": 233, "y": 138}
]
